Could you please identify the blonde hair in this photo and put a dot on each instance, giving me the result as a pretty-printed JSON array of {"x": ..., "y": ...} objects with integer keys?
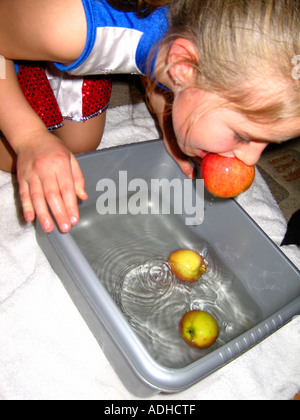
[{"x": 244, "y": 47}]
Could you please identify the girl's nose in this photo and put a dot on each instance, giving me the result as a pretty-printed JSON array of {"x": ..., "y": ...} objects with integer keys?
[{"x": 250, "y": 153}]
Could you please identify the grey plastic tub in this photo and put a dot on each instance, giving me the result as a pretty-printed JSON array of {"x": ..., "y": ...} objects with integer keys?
[{"x": 251, "y": 287}]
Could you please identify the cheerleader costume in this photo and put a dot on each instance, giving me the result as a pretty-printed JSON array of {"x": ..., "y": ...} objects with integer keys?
[{"x": 117, "y": 42}]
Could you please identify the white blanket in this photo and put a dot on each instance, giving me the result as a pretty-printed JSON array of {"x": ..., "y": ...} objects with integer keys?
[{"x": 46, "y": 349}]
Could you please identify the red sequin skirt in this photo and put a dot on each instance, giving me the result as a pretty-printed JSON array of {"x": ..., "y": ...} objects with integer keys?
[{"x": 55, "y": 96}]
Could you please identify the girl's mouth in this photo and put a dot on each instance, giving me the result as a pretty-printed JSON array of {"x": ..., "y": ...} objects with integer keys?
[{"x": 203, "y": 153}]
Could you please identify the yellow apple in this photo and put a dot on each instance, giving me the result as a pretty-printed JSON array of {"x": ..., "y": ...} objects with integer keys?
[
  {"x": 187, "y": 265},
  {"x": 199, "y": 329}
]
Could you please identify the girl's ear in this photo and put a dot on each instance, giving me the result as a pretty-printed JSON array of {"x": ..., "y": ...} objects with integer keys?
[{"x": 182, "y": 55}]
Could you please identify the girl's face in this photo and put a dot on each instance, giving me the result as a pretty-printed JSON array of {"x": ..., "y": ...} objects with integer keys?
[{"x": 202, "y": 125}]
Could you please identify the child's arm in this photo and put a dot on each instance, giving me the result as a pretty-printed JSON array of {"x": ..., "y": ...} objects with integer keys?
[
  {"x": 42, "y": 30},
  {"x": 47, "y": 172},
  {"x": 159, "y": 105}
]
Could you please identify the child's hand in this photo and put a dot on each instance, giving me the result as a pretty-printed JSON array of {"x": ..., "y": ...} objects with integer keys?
[{"x": 49, "y": 177}]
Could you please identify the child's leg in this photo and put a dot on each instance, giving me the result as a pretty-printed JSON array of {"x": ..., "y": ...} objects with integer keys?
[{"x": 82, "y": 137}]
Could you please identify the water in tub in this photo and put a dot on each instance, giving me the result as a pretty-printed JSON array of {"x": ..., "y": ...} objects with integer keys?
[{"x": 129, "y": 254}]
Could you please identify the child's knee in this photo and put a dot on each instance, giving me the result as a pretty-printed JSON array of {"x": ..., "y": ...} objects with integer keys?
[{"x": 82, "y": 137}]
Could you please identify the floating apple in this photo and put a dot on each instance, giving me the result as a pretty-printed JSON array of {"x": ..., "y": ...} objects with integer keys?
[
  {"x": 187, "y": 265},
  {"x": 199, "y": 329},
  {"x": 226, "y": 177}
]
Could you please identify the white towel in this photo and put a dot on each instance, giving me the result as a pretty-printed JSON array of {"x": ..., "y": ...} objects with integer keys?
[{"x": 46, "y": 349}]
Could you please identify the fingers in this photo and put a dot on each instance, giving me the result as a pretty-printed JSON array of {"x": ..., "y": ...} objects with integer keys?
[
  {"x": 60, "y": 196},
  {"x": 79, "y": 182},
  {"x": 33, "y": 203},
  {"x": 28, "y": 209},
  {"x": 54, "y": 191},
  {"x": 44, "y": 196}
]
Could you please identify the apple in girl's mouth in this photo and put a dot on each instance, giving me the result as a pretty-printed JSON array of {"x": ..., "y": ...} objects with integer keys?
[
  {"x": 187, "y": 265},
  {"x": 226, "y": 177},
  {"x": 199, "y": 329}
]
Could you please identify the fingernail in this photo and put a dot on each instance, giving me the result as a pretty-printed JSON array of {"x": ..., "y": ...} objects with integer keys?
[
  {"x": 83, "y": 195},
  {"x": 28, "y": 217},
  {"x": 73, "y": 220},
  {"x": 65, "y": 227},
  {"x": 47, "y": 225}
]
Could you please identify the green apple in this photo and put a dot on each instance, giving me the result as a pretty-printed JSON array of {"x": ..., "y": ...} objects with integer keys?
[
  {"x": 199, "y": 329},
  {"x": 187, "y": 265}
]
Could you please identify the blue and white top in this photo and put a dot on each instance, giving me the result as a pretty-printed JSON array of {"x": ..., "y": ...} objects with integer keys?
[{"x": 117, "y": 42}]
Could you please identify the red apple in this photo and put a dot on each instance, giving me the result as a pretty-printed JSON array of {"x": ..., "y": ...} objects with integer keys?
[
  {"x": 199, "y": 329},
  {"x": 226, "y": 177},
  {"x": 187, "y": 265}
]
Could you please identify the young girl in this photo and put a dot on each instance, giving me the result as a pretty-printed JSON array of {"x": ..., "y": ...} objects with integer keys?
[{"x": 226, "y": 63}]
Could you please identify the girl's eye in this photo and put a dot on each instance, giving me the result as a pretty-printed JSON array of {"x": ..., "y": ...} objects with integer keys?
[{"x": 241, "y": 139}]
